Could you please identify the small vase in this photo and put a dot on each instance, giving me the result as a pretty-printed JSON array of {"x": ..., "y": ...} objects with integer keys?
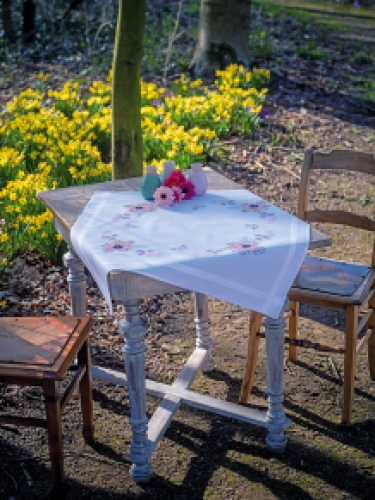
[
  {"x": 169, "y": 167},
  {"x": 150, "y": 183},
  {"x": 198, "y": 178}
]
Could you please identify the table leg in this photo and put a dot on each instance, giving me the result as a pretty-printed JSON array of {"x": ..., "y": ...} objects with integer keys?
[
  {"x": 133, "y": 329},
  {"x": 77, "y": 283},
  {"x": 275, "y": 333},
  {"x": 202, "y": 322}
]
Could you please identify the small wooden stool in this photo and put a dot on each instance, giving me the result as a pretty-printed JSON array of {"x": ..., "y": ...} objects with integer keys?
[{"x": 38, "y": 351}]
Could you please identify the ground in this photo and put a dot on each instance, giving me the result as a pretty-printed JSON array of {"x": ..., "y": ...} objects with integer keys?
[{"x": 203, "y": 455}]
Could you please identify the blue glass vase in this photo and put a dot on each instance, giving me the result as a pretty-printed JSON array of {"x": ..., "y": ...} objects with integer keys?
[
  {"x": 150, "y": 183},
  {"x": 169, "y": 167}
]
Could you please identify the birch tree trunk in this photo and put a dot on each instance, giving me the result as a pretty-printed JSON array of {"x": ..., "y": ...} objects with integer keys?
[
  {"x": 223, "y": 36},
  {"x": 127, "y": 150}
]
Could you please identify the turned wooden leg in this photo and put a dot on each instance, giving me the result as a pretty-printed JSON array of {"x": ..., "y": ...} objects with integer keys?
[
  {"x": 77, "y": 283},
  {"x": 251, "y": 356},
  {"x": 351, "y": 334},
  {"x": 202, "y": 322},
  {"x": 278, "y": 422},
  {"x": 293, "y": 329},
  {"x": 371, "y": 340},
  {"x": 85, "y": 387},
  {"x": 134, "y": 329},
  {"x": 53, "y": 412}
]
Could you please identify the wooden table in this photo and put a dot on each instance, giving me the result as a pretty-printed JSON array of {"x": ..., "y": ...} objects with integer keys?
[{"x": 127, "y": 287}]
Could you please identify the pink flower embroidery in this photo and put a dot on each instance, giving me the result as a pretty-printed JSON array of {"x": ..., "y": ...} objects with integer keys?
[
  {"x": 256, "y": 206},
  {"x": 141, "y": 207},
  {"x": 164, "y": 196},
  {"x": 118, "y": 246},
  {"x": 243, "y": 246}
]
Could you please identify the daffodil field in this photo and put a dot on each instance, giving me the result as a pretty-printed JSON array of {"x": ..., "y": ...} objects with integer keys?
[{"x": 51, "y": 139}]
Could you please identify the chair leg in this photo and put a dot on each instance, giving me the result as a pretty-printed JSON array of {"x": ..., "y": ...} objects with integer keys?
[
  {"x": 85, "y": 387},
  {"x": 371, "y": 340},
  {"x": 53, "y": 412},
  {"x": 349, "y": 363},
  {"x": 251, "y": 356},
  {"x": 293, "y": 329}
]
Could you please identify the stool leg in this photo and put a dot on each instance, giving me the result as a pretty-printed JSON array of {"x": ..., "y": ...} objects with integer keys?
[
  {"x": 202, "y": 322},
  {"x": 53, "y": 412},
  {"x": 85, "y": 388}
]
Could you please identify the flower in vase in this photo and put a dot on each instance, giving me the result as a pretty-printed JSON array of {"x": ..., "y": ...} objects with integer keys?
[
  {"x": 178, "y": 194},
  {"x": 175, "y": 178},
  {"x": 164, "y": 196},
  {"x": 188, "y": 189}
]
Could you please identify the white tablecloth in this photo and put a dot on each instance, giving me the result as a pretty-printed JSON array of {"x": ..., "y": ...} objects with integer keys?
[{"x": 231, "y": 245}]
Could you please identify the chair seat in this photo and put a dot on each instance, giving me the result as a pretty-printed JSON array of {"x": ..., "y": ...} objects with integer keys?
[
  {"x": 35, "y": 341},
  {"x": 38, "y": 351},
  {"x": 325, "y": 277}
]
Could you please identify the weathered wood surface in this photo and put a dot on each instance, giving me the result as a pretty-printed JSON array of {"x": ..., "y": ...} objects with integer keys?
[
  {"x": 67, "y": 204},
  {"x": 33, "y": 346},
  {"x": 336, "y": 285},
  {"x": 191, "y": 398},
  {"x": 38, "y": 351},
  {"x": 344, "y": 159}
]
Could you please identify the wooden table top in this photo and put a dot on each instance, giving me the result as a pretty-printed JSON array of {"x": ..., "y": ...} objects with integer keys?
[{"x": 67, "y": 204}]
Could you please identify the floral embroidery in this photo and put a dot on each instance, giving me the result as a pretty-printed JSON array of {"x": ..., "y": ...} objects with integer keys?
[
  {"x": 244, "y": 247},
  {"x": 182, "y": 248},
  {"x": 141, "y": 208},
  {"x": 252, "y": 226},
  {"x": 128, "y": 226},
  {"x": 148, "y": 253},
  {"x": 255, "y": 207},
  {"x": 265, "y": 236},
  {"x": 118, "y": 217},
  {"x": 108, "y": 235},
  {"x": 118, "y": 246},
  {"x": 225, "y": 202},
  {"x": 268, "y": 216}
]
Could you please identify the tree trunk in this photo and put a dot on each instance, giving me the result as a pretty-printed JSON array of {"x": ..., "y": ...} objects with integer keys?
[
  {"x": 223, "y": 36},
  {"x": 28, "y": 28},
  {"x": 127, "y": 147},
  {"x": 6, "y": 15}
]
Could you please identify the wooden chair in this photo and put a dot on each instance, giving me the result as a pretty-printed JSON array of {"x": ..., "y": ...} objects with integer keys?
[
  {"x": 38, "y": 351},
  {"x": 341, "y": 286}
]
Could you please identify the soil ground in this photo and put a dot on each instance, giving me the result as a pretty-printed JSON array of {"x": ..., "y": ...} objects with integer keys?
[{"x": 203, "y": 455}]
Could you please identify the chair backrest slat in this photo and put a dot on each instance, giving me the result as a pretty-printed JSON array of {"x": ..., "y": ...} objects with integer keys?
[
  {"x": 341, "y": 217},
  {"x": 342, "y": 159},
  {"x": 355, "y": 161}
]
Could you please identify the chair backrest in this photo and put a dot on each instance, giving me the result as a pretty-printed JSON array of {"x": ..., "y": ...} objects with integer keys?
[{"x": 354, "y": 161}]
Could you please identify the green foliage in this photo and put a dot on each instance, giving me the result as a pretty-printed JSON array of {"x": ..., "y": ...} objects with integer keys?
[
  {"x": 260, "y": 44},
  {"x": 51, "y": 139},
  {"x": 309, "y": 50}
]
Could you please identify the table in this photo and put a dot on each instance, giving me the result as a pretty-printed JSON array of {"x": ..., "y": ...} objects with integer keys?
[{"x": 127, "y": 287}]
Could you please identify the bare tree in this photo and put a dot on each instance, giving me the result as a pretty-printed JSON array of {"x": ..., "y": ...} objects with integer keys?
[
  {"x": 6, "y": 17},
  {"x": 127, "y": 147},
  {"x": 28, "y": 27},
  {"x": 223, "y": 36}
]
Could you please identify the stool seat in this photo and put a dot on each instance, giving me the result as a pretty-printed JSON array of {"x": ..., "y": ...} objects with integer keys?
[{"x": 38, "y": 351}]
